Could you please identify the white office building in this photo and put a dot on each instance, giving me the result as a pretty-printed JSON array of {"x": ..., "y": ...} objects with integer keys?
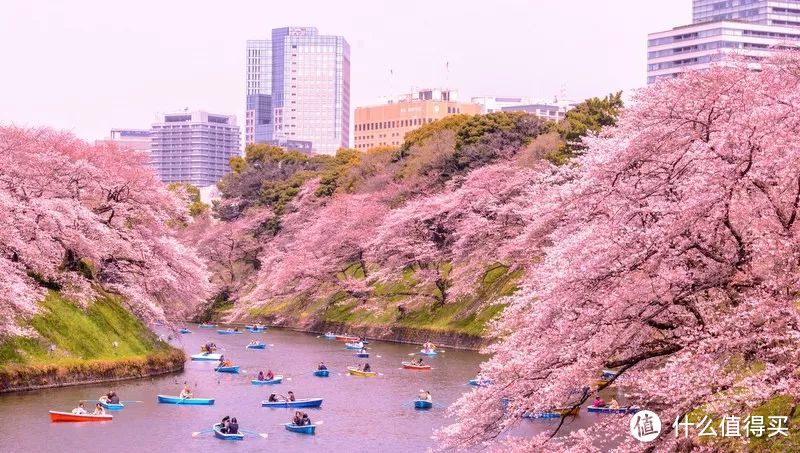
[
  {"x": 194, "y": 147},
  {"x": 751, "y": 28}
]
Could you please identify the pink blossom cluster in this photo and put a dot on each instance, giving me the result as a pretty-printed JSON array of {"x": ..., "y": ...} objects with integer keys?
[
  {"x": 80, "y": 217},
  {"x": 671, "y": 252}
]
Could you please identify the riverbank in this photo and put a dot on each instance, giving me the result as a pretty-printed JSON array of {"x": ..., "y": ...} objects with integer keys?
[
  {"x": 17, "y": 378},
  {"x": 70, "y": 344}
]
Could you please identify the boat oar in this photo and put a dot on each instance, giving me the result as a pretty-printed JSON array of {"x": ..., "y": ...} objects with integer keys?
[
  {"x": 253, "y": 433},
  {"x": 203, "y": 431}
]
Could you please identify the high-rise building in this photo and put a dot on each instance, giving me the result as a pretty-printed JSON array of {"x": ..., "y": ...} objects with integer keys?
[
  {"x": 764, "y": 12},
  {"x": 387, "y": 124},
  {"x": 752, "y": 28},
  {"x": 134, "y": 139},
  {"x": 194, "y": 147},
  {"x": 298, "y": 88}
]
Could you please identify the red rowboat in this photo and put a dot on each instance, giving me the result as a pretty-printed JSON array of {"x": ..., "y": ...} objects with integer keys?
[
  {"x": 411, "y": 366},
  {"x": 57, "y": 416},
  {"x": 346, "y": 338}
]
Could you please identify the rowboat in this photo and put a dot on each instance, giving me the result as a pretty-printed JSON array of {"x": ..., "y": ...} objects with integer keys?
[
  {"x": 346, "y": 338},
  {"x": 256, "y": 329},
  {"x": 321, "y": 373},
  {"x": 276, "y": 380},
  {"x": 412, "y": 366},
  {"x": 305, "y": 429},
  {"x": 165, "y": 399},
  {"x": 57, "y": 416},
  {"x": 362, "y": 355},
  {"x": 207, "y": 326},
  {"x": 257, "y": 346},
  {"x": 305, "y": 402},
  {"x": 553, "y": 413},
  {"x": 356, "y": 372},
  {"x": 228, "y": 332},
  {"x": 227, "y": 369},
  {"x": 479, "y": 382},
  {"x": 608, "y": 410},
  {"x": 330, "y": 336},
  {"x": 358, "y": 345},
  {"x": 422, "y": 404},
  {"x": 428, "y": 352},
  {"x": 184, "y": 330},
  {"x": 203, "y": 356},
  {"x": 220, "y": 435},
  {"x": 112, "y": 406}
]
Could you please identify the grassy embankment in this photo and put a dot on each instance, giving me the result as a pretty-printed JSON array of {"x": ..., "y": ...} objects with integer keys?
[
  {"x": 463, "y": 316},
  {"x": 76, "y": 345}
]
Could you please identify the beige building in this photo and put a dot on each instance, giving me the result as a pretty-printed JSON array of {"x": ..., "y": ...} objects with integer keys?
[{"x": 387, "y": 124}]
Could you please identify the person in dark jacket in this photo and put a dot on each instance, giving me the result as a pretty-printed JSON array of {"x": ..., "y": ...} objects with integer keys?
[
  {"x": 225, "y": 422},
  {"x": 306, "y": 421},
  {"x": 233, "y": 426},
  {"x": 113, "y": 398},
  {"x": 322, "y": 366},
  {"x": 298, "y": 419}
]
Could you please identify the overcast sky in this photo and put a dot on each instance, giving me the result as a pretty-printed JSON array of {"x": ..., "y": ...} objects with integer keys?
[{"x": 88, "y": 66}]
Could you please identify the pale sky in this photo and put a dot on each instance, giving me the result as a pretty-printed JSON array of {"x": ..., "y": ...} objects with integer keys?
[{"x": 88, "y": 66}]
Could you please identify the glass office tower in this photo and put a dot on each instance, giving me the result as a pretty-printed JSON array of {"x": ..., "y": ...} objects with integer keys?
[
  {"x": 298, "y": 88},
  {"x": 764, "y": 12}
]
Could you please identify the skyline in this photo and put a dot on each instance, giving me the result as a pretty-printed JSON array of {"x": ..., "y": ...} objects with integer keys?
[{"x": 89, "y": 67}]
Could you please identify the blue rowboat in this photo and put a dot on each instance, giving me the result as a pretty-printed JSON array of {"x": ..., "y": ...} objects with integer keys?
[
  {"x": 330, "y": 336},
  {"x": 228, "y": 332},
  {"x": 276, "y": 380},
  {"x": 112, "y": 407},
  {"x": 184, "y": 330},
  {"x": 255, "y": 329},
  {"x": 541, "y": 415},
  {"x": 165, "y": 399},
  {"x": 422, "y": 404},
  {"x": 358, "y": 345},
  {"x": 427, "y": 353},
  {"x": 321, "y": 373},
  {"x": 479, "y": 382},
  {"x": 305, "y": 402},
  {"x": 305, "y": 429},
  {"x": 257, "y": 346},
  {"x": 220, "y": 435},
  {"x": 363, "y": 355},
  {"x": 204, "y": 356},
  {"x": 207, "y": 326},
  {"x": 227, "y": 369},
  {"x": 608, "y": 410}
]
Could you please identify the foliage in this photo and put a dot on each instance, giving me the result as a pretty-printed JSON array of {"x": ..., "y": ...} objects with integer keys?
[
  {"x": 191, "y": 194},
  {"x": 80, "y": 217},
  {"x": 671, "y": 253},
  {"x": 588, "y": 117}
]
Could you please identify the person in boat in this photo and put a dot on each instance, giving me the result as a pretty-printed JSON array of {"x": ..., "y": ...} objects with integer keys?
[
  {"x": 598, "y": 402},
  {"x": 228, "y": 363},
  {"x": 98, "y": 410},
  {"x": 261, "y": 375},
  {"x": 224, "y": 424},
  {"x": 235, "y": 329},
  {"x": 428, "y": 396},
  {"x": 233, "y": 426},
  {"x": 305, "y": 421},
  {"x": 613, "y": 404},
  {"x": 273, "y": 398},
  {"x": 363, "y": 350},
  {"x": 186, "y": 392},
  {"x": 80, "y": 410},
  {"x": 418, "y": 361},
  {"x": 105, "y": 398},
  {"x": 113, "y": 398},
  {"x": 298, "y": 419},
  {"x": 270, "y": 376},
  {"x": 291, "y": 396},
  {"x": 322, "y": 366},
  {"x": 366, "y": 368},
  {"x": 221, "y": 360}
]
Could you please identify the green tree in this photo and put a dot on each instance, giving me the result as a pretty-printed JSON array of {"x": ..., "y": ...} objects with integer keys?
[
  {"x": 590, "y": 116},
  {"x": 192, "y": 196}
]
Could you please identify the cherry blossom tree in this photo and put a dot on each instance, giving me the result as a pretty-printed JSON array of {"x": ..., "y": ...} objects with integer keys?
[
  {"x": 671, "y": 253},
  {"x": 77, "y": 217}
]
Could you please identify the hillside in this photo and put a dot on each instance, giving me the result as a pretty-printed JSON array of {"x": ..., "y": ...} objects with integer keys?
[{"x": 420, "y": 238}]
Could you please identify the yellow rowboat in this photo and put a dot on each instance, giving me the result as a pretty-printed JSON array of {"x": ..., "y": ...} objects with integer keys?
[{"x": 356, "y": 372}]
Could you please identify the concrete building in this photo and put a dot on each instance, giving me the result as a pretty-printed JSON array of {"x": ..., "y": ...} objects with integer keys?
[
  {"x": 491, "y": 104},
  {"x": 194, "y": 147},
  {"x": 387, "y": 124},
  {"x": 298, "y": 88},
  {"x": 764, "y": 12},
  {"x": 752, "y": 28},
  {"x": 133, "y": 139},
  {"x": 554, "y": 111}
]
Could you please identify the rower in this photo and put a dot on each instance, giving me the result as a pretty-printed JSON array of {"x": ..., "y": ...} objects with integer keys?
[
  {"x": 79, "y": 410},
  {"x": 113, "y": 398},
  {"x": 322, "y": 366},
  {"x": 273, "y": 398},
  {"x": 98, "y": 410},
  {"x": 186, "y": 393},
  {"x": 291, "y": 396},
  {"x": 598, "y": 402},
  {"x": 366, "y": 368},
  {"x": 270, "y": 375},
  {"x": 261, "y": 375}
]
